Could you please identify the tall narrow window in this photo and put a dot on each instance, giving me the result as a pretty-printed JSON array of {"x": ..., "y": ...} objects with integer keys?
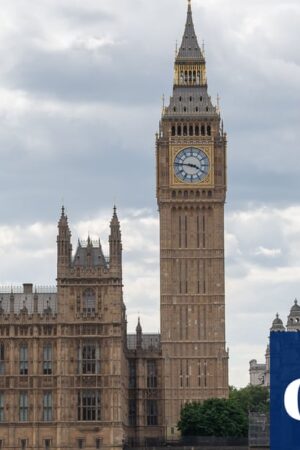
[
  {"x": 202, "y": 130},
  {"x": 47, "y": 407},
  {"x": 2, "y": 355},
  {"x": 23, "y": 443},
  {"x": 152, "y": 412},
  {"x": 132, "y": 374},
  {"x": 24, "y": 359},
  {"x": 181, "y": 374},
  {"x": 179, "y": 231},
  {"x": 203, "y": 231},
  {"x": 47, "y": 443},
  {"x": 89, "y": 301},
  {"x": 47, "y": 359},
  {"x": 89, "y": 406},
  {"x": 209, "y": 130},
  {"x": 80, "y": 443},
  {"x": 198, "y": 276},
  {"x": 186, "y": 231},
  {"x": 204, "y": 277},
  {"x": 1, "y": 407},
  {"x": 89, "y": 359},
  {"x": 23, "y": 407},
  {"x": 151, "y": 374},
  {"x": 198, "y": 232},
  {"x": 132, "y": 412},
  {"x": 98, "y": 443},
  {"x": 187, "y": 374},
  {"x": 186, "y": 273}
]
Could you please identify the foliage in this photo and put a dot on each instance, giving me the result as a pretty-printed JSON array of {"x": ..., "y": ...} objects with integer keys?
[
  {"x": 251, "y": 398},
  {"x": 223, "y": 417}
]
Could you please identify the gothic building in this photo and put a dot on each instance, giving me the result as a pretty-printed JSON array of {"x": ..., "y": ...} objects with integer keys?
[
  {"x": 260, "y": 372},
  {"x": 70, "y": 375}
]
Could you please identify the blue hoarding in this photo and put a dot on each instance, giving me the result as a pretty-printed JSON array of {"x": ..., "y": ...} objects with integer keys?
[{"x": 285, "y": 387}]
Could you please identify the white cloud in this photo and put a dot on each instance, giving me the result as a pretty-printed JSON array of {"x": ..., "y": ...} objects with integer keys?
[
  {"x": 80, "y": 102},
  {"x": 267, "y": 251},
  {"x": 255, "y": 291}
]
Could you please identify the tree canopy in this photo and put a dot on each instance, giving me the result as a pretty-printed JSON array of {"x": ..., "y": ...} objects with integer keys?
[{"x": 224, "y": 417}]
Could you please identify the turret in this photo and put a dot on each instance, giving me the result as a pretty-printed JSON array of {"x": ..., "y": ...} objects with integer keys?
[
  {"x": 139, "y": 336},
  {"x": 64, "y": 246},
  {"x": 115, "y": 245}
]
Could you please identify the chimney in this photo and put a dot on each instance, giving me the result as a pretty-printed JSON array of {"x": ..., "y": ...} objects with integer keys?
[{"x": 27, "y": 288}]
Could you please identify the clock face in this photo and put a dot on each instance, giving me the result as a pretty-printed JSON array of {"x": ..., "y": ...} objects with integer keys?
[{"x": 191, "y": 165}]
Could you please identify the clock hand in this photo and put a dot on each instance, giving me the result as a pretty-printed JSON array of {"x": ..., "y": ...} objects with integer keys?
[{"x": 188, "y": 165}]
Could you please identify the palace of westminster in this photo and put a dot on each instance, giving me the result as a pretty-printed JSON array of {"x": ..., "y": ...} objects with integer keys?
[{"x": 70, "y": 375}]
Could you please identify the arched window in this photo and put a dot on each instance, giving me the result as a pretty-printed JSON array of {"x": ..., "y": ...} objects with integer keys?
[
  {"x": 173, "y": 131},
  {"x": 197, "y": 130},
  {"x": 179, "y": 130},
  {"x": 185, "y": 130},
  {"x": 89, "y": 301},
  {"x": 202, "y": 130},
  {"x": 209, "y": 130},
  {"x": 191, "y": 133}
]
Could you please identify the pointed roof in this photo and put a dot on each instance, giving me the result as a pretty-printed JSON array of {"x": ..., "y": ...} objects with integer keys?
[
  {"x": 63, "y": 221},
  {"x": 189, "y": 49},
  {"x": 89, "y": 254},
  {"x": 114, "y": 223},
  {"x": 139, "y": 327},
  {"x": 115, "y": 216},
  {"x": 277, "y": 324}
]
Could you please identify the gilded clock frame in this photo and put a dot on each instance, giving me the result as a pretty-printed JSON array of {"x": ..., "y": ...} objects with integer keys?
[{"x": 208, "y": 181}]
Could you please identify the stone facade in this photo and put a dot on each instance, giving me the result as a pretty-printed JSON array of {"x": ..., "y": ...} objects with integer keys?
[
  {"x": 260, "y": 373},
  {"x": 191, "y": 192},
  {"x": 70, "y": 375}
]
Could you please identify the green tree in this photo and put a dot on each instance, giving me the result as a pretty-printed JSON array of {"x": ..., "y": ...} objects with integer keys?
[
  {"x": 251, "y": 398},
  {"x": 214, "y": 417},
  {"x": 224, "y": 417}
]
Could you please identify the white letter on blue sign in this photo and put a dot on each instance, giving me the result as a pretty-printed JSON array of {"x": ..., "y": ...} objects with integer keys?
[{"x": 291, "y": 400}]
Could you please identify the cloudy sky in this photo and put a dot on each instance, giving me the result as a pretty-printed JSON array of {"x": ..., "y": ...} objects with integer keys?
[{"x": 80, "y": 100}]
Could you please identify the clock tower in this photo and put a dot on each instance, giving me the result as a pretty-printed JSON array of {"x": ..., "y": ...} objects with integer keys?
[{"x": 191, "y": 192}]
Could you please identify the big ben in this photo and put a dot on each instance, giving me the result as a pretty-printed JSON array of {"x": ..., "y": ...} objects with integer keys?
[{"x": 191, "y": 192}]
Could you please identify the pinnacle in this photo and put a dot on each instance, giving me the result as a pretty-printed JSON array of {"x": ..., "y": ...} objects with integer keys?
[{"x": 189, "y": 49}]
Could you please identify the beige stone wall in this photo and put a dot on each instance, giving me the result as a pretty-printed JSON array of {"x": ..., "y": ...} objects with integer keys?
[{"x": 192, "y": 277}]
